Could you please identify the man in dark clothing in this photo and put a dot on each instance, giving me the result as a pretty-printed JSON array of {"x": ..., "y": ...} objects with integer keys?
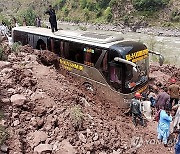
[
  {"x": 174, "y": 91},
  {"x": 135, "y": 109},
  {"x": 163, "y": 99},
  {"x": 52, "y": 18}
]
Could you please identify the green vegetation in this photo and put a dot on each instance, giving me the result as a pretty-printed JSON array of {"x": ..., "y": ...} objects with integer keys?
[
  {"x": 175, "y": 15},
  {"x": 27, "y": 15},
  {"x": 2, "y": 57},
  {"x": 98, "y": 11},
  {"x": 149, "y": 5},
  {"x": 77, "y": 117},
  {"x": 16, "y": 47}
]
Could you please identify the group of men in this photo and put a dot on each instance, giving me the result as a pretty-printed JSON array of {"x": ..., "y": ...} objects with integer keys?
[{"x": 167, "y": 106}]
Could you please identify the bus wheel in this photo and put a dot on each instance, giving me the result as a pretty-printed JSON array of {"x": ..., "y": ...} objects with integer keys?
[{"x": 88, "y": 86}]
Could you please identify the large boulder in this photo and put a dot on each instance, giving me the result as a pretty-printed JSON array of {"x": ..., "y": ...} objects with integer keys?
[
  {"x": 4, "y": 64},
  {"x": 43, "y": 148},
  {"x": 36, "y": 137},
  {"x": 18, "y": 99}
]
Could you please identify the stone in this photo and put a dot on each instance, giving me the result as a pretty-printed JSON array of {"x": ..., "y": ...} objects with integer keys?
[
  {"x": 85, "y": 102},
  {"x": 82, "y": 138},
  {"x": 4, "y": 64},
  {"x": 11, "y": 91},
  {"x": 5, "y": 100},
  {"x": 56, "y": 145},
  {"x": 95, "y": 138},
  {"x": 16, "y": 122},
  {"x": 36, "y": 137},
  {"x": 43, "y": 148},
  {"x": 4, "y": 148},
  {"x": 18, "y": 100},
  {"x": 66, "y": 148},
  {"x": 6, "y": 70}
]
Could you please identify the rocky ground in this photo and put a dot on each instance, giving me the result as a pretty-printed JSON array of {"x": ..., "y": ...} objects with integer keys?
[
  {"x": 139, "y": 28},
  {"x": 46, "y": 112}
]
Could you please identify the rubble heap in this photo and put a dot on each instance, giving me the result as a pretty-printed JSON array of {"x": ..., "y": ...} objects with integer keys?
[{"x": 51, "y": 113}]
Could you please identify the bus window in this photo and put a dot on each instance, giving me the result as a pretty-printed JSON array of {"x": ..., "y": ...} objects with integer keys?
[
  {"x": 57, "y": 47},
  {"x": 91, "y": 55},
  {"x": 115, "y": 76},
  {"x": 41, "y": 45}
]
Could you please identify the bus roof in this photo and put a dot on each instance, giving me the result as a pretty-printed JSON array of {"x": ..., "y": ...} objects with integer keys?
[{"x": 92, "y": 38}]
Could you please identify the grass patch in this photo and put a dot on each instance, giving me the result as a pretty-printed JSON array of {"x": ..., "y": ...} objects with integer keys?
[{"x": 77, "y": 116}]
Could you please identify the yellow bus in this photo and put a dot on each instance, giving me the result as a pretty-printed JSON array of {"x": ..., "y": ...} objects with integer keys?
[{"x": 115, "y": 67}]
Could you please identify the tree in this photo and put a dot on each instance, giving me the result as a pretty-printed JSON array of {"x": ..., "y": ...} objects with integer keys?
[{"x": 149, "y": 5}]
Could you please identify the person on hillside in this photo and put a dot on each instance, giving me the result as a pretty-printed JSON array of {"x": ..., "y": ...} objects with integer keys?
[
  {"x": 38, "y": 21},
  {"x": 176, "y": 120},
  {"x": 135, "y": 109},
  {"x": 24, "y": 22},
  {"x": 163, "y": 99},
  {"x": 174, "y": 91},
  {"x": 164, "y": 125},
  {"x": 52, "y": 18},
  {"x": 146, "y": 107},
  {"x": 152, "y": 98},
  {"x": 177, "y": 146}
]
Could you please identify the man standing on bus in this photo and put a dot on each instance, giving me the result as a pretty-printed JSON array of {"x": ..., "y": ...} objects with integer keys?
[
  {"x": 135, "y": 109},
  {"x": 52, "y": 18}
]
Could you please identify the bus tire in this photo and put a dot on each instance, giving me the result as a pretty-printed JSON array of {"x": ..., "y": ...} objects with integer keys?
[{"x": 88, "y": 86}]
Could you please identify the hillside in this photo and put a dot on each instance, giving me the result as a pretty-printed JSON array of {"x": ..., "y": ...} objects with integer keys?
[
  {"x": 146, "y": 13},
  {"x": 46, "y": 112}
]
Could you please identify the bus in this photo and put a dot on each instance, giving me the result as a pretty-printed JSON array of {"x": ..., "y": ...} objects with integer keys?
[{"x": 116, "y": 68}]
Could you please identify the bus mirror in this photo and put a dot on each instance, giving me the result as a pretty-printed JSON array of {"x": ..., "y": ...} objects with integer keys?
[
  {"x": 135, "y": 74},
  {"x": 161, "y": 60}
]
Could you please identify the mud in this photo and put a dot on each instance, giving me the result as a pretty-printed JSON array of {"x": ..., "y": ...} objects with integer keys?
[{"x": 45, "y": 111}]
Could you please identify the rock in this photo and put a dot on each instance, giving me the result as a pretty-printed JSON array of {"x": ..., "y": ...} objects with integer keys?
[
  {"x": 5, "y": 100},
  {"x": 4, "y": 148},
  {"x": 15, "y": 123},
  {"x": 43, "y": 148},
  {"x": 6, "y": 70},
  {"x": 95, "y": 138},
  {"x": 18, "y": 100},
  {"x": 85, "y": 102},
  {"x": 36, "y": 137},
  {"x": 66, "y": 148},
  {"x": 4, "y": 64},
  {"x": 3, "y": 123},
  {"x": 82, "y": 138},
  {"x": 11, "y": 91},
  {"x": 56, "y": 145},
  {"x": 88, "y": 131}
]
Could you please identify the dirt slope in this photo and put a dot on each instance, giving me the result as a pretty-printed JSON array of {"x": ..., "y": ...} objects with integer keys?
[{"x": 48, "y": 112}]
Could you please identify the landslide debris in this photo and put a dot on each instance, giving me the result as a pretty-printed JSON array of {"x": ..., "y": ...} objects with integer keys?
[{"x": 46, "y": 112}]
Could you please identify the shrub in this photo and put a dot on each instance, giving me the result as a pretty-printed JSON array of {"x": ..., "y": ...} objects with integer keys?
[
  {"x": 149, "y": 5},
  {"x": 108, "y": 14},
  {"x": 77, "y": 116},
  {"x": 58, "y": 4},
  {"x": 65, "y": 11},
  {"x": 16, "y": 47},
  {"x": 29, "y": 16},
  {"x": 83, "y": 3}
]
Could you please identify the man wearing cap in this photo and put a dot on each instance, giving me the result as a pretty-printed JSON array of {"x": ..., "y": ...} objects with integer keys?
[
  {"x": 174, "y": 93},
  {"x": 135, "y": 109}
]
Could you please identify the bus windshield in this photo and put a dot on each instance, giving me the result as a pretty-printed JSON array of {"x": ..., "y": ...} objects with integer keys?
[{"x": 132, "y": 84}]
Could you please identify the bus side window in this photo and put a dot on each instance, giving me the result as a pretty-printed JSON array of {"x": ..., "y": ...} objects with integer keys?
[
  {"x": 56, "y": 47},
  {"x": 64, "y": 49},
  {"x": 87, "y": 59},
  {"x": 91, "y": 55}
]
